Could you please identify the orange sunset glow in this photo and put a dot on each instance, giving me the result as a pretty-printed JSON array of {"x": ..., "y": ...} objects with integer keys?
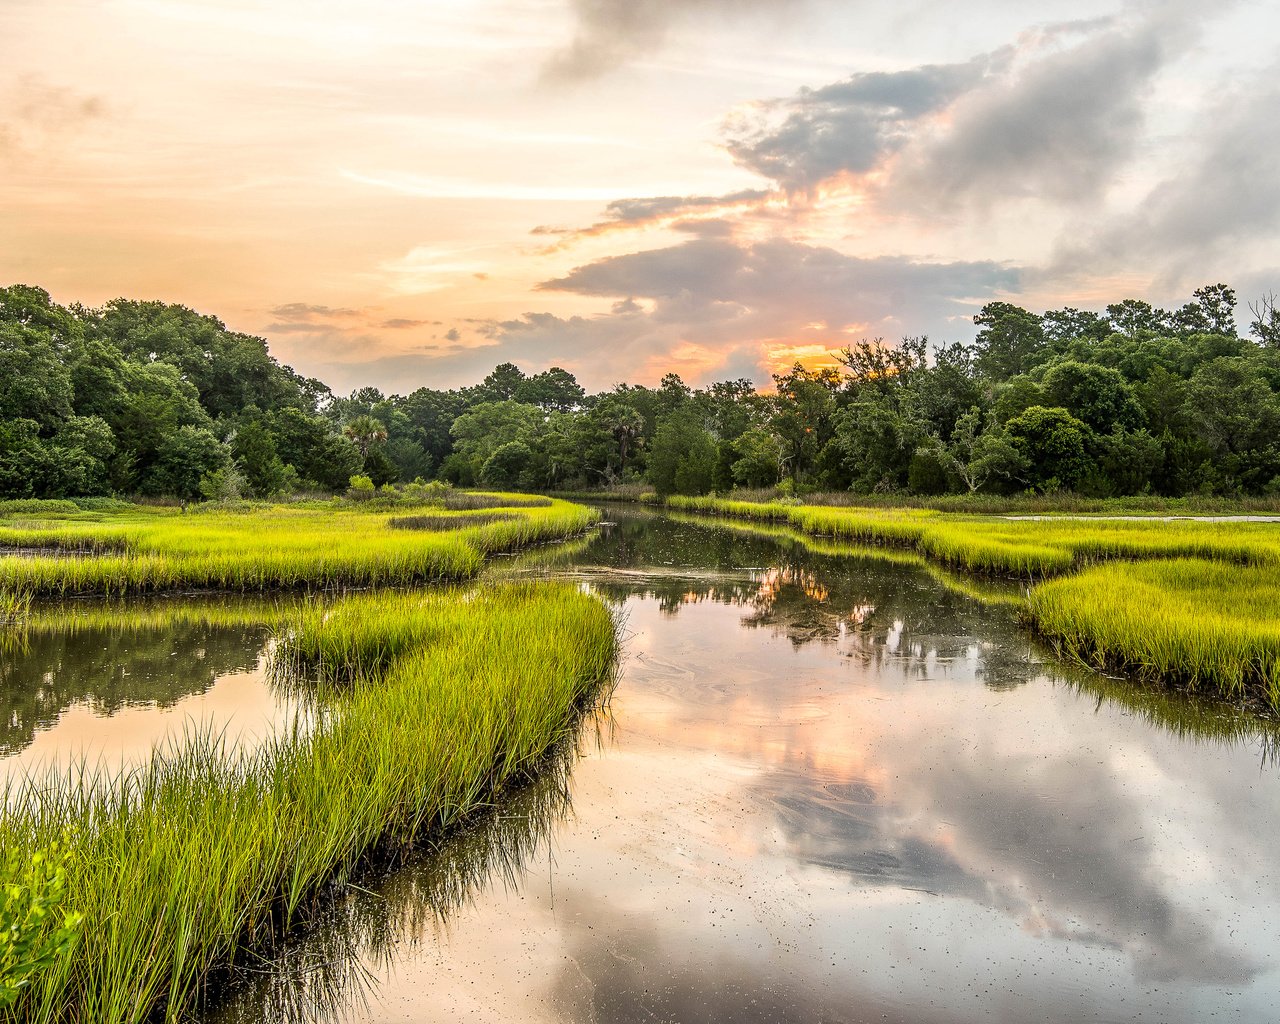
[{"x": 405, "y": 194}]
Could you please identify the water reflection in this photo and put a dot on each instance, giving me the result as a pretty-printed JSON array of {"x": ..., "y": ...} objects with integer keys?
[
  {"x": 44, "y": 672},
  {"x": 397, "y": 908},
  {"x": 844, "y": 786},
  {"x": 106, "y": 681}
]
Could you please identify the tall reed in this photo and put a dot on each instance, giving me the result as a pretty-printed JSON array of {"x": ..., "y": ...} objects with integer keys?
[{"x": 181, "y": 865}]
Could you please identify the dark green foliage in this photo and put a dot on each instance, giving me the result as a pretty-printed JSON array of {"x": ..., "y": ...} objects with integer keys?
[
  {"x": 149, "y": 398},
  {"x": 181, "y": 460},
  {"x": 1011, "y": 340},
  {"x": 379, "y": 468},
  {"x": 1054, "y": 445},
  {"x": 1096, "y": 395},
  {"x": 683, "y": 457},
  {"x": 139, "y": 397},
  {"x": 507, "y": 465}
]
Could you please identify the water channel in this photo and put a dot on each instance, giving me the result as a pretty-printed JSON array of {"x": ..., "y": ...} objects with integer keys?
[{"x": 829, "y": 787}]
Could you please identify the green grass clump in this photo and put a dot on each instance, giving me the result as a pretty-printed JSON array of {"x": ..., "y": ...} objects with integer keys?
[
  {"x": 1008, "y": 547},
  {"x": 1195, "y": 603},
  {"x": 440, "y": 702},
  {"x": 266, "y": 548},
  {"x": 1198, "y": 623}
]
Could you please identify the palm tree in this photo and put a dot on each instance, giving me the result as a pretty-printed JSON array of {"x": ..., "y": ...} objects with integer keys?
[{"x": 365, "y": 431}]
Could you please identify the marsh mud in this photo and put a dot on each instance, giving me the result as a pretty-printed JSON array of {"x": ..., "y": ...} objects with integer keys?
[{"x": 833, "y": 785}]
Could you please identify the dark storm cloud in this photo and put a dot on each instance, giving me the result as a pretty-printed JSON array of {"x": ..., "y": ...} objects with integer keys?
[
  {"x": 610, "y": 32},
  {"x": 849, "y": 125}
]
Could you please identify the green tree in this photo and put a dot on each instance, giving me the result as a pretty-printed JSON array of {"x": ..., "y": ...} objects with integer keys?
[
  {"x": 1236, "y": 414},
  {"x": 976, "y": 454},
  {"x": 81, "y": 451},
  {"x": 182, "y": 459},
  {"x": 1011, "y": 341},
  {"x": 365, "y": 432},
  {"x": 479, "y": 431},
  {"x": 379, "y": 467},
  {"x": 254, "y": 450},
  {"x": 502, "y": 383},
  {"x": 1096, "y": 395},
  {"x": 802, "y": 416},
  {"x": 759, "y": 458},
  {"x": 1053, "y": 444},
  {"x": 553, "y": 390},
  {"x": 682, "y": 458},
  {"x": 506, "y": 465}
]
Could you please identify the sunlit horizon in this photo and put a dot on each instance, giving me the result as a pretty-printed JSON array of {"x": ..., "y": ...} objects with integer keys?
[{"x": 401, "y": 195}]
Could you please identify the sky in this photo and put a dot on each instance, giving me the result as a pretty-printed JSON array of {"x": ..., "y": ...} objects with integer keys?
[{"x": 405, "y": 193}]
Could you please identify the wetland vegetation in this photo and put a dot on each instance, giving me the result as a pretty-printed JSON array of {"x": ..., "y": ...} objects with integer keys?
[
  {"x": 428, "y": 706},
  {"x": 1199, "y": 610},
  {"x": 141, "y": 889}
]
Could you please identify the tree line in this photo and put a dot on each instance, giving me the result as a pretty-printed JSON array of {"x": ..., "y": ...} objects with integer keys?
[{"x": 151, "y": 399}]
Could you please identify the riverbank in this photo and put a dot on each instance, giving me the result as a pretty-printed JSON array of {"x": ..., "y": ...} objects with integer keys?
[
  {"x": 263, "y": 548},
  {"x": 1200, "y": 610},
  {"x": 432, "y": 705}
]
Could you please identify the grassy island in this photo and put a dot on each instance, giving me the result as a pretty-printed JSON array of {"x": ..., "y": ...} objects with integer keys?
[
  {"x": 427, "y": 707},
  {"x": 1189, "y": 602}
]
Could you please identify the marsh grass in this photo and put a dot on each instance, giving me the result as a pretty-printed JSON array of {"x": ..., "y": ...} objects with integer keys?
[
  {"x": 444, "y": 521},
  {"x": 277, "y": 547},
  {"x": 182, "y": 865},
  {"x": 1030, "y": 550},
  {"x": 1195, "y": 604},
  {"x": 1201, "y": 624},
  {"x": 471, "y": 501}
]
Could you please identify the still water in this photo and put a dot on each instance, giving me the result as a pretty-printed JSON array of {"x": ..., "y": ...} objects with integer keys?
[{"x": 827, "y": 788}]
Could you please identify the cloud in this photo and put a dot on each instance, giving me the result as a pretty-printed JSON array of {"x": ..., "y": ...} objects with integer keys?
[
  {"x": 680, "y": 212},
  {"x": 848, "y": 126},
  {"x": 310, "y": 313},
  {"x": 608, "y": 33},
  {"x": 710, "y": 308},
  {"x": 1052, "y": 117},
  {"x": 38, "y": 113},
  {"x": 1056, "y": 124},
  {"x": 787, "y": 284},
  {"x": 400, "y": 323},
  {"x": 1218, "y": 201}
]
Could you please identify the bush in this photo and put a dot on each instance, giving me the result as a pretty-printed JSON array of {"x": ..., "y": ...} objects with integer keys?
[
  {"x": 361, "y": 488},
  {"x": 35, "y": 933}
]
